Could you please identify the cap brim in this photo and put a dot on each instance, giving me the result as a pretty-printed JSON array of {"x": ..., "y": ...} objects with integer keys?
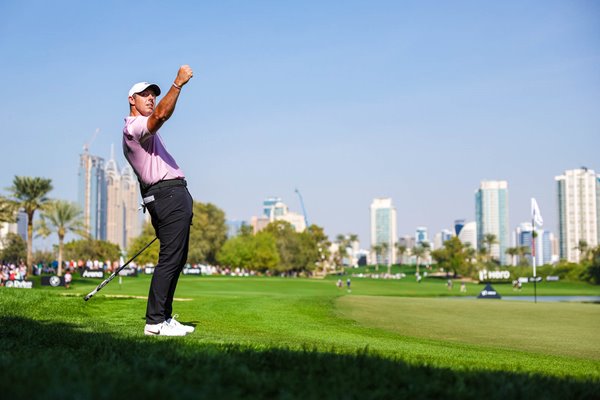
[{"x": 155, "y": 88}]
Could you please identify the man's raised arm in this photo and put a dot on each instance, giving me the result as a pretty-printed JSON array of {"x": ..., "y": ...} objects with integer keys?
[{"x": 166, "y": 106}]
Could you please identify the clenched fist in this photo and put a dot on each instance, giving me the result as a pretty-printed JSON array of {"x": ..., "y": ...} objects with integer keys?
[{"x": 184, "y": 74}]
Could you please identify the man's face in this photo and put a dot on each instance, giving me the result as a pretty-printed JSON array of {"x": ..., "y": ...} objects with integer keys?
[{"x": 143, "y": 102}]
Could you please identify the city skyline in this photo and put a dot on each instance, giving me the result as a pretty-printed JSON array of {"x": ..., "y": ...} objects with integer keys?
[{"x": 411, "y": 101}]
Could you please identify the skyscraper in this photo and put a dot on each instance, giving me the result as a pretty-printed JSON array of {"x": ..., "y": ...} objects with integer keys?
[
  {"x": 543, "y": 244},
  {"x": 491, "y": 211},
  {"x": 122, "y": 199},
  {"x": 468, "y": 234},
  {"x": 383, "y": 228},
  {"x": 578, "y": 211},
  {"x": 274, "y": 209},
  {"x": 458, "y": 225},
  {"x": 92, "y": 193},
  {"x": 114, "y": 205},
  {"x": 421, "y": 235},
  {"x": 109, "y": 199},
  {"x": 130, "y": 197}
]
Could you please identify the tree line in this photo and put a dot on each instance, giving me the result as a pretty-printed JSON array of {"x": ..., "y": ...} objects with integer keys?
[{"x": 278, "y": 248}]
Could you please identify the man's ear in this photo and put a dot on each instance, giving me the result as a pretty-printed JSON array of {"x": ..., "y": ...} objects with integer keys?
[{"x": 131, "y": 101}]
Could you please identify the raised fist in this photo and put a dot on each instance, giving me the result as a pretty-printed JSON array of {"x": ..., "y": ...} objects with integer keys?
[{"x": 184, "y": 74}]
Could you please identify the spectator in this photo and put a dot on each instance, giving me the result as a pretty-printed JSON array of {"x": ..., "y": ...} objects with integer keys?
[{"x": 68, "y": 279}]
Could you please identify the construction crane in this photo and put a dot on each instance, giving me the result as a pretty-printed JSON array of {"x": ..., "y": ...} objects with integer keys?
[
  {"x": 86, "y": 146},
  {"x": 303, "y": 209}
]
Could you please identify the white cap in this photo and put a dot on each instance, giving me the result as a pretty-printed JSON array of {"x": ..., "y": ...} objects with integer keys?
[{"x": 141, "y": 86}]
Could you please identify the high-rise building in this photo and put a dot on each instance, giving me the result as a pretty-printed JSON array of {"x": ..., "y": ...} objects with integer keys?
[
  {"x": 543, "y": 244},
  {"x": 109, "y": 199},
  {"x": 130, "y": 197},
  {"x": 421, "y": 235},
  {"x": 491, "y": 210},
  {"x": 598, "y": 206},
  {"x": 441, "y": 237},
  {"x": 468, "y": 234},
  {"x": 92, "y": 194},
  {"x": 458, "y": 225},
  {"x": 276, "y": 210},
  {"x": 383, "y": 229},
  {"x": 114, "y": 204},
  {"x": 18, "y": 227},
  {"x": 122, "y": 199},
  {"x": 234, "y": 227},
  {"x": 578, "y": 211}
]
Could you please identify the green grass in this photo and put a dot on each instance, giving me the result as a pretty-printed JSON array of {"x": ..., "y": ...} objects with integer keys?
[{"x": 299, "y": 338}]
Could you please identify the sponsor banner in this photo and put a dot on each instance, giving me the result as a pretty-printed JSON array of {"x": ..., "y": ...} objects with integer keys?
[
  {"x": 92, "y": 273},
  {"x": 19, "y": 284},
  {"x": 128, "y": 271},
  {"x": 485, "y": 275},
  {"x": 53, "y": 281},
  {"x": 551, "y": 278},
  {"x": 536, "y": 279},
  {"x": 489, "y": 293},
  {"x": 192, "y": 271},
  {"x": 148, "y": 270}
]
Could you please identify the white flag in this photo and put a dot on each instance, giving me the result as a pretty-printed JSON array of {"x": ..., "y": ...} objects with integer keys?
[{"x": 536, "y": 216}]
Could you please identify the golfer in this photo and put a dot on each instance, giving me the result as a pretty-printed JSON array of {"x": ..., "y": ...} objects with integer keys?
[{"x": 164, "y": 193}]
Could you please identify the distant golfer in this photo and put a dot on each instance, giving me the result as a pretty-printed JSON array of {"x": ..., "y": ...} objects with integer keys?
[{"x": 165, "y": 196}]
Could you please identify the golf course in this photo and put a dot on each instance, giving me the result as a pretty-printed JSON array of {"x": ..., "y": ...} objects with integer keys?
[{"x": 267, "y": 337}]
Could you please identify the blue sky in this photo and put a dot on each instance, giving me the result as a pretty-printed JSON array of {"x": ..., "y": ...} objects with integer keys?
[{"x": 344, "y": 100}]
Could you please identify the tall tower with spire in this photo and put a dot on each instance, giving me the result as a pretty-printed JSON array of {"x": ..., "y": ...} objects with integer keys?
[
  {"x": 92, "y": 193},
  {"x": 114, "y": 203},
  {"x": 122, "y": 216}
]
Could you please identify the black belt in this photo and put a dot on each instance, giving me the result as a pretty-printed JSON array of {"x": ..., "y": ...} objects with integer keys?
[{"x": 164, "y": 184}]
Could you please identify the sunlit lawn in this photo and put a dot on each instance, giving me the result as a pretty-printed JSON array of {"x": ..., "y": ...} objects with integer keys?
[{"x": 301, "y": 338}]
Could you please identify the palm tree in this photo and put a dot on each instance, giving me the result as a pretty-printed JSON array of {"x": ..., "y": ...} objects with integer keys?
[
  {"x": 30, "y": 195},
  {"x": 522, "y": 251},
  {"x": 385, "y": 251},
  {"x": 419, "y": 252},
  {"x": 341, "y": 252},
  {"x": 352, "y": 238},
  {"x": 7, "y": 210},
  {"x": 345, "y": 241},
  {"x": 61, "y": 217},
  {"x": 512, "y": 252},
  {"x": 378, "y": 250},
  {"x": 584, "y": 250},
  {"x": 489, "y": 239},
  {"x": 470, "y": 256},
  {"x": 401, "y": 250}
]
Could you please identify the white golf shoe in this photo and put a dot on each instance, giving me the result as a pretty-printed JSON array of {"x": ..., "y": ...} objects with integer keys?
[
  {"x": 177, "y": 324},
  {"x": 163, "y": 329}
]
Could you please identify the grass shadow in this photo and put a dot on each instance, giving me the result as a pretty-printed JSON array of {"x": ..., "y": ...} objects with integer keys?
[{"x": 50, "y": 360}]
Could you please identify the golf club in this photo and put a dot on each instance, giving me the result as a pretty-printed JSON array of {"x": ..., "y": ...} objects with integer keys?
[{"x": 110, "y": 278}]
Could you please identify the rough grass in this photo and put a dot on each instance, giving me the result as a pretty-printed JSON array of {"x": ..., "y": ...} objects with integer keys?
[{"x": 276, "y": 338}]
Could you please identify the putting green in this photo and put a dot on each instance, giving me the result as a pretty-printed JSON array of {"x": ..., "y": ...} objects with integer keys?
[{"x": 563, "y": 329}]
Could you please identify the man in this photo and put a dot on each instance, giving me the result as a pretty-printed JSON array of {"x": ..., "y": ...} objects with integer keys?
[{"x": 165, "y": 196}]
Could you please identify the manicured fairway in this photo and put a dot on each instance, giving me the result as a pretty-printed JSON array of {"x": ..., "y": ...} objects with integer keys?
[
  {"x": 299, "y": 338},
  {"x": 564, "y": 329}
]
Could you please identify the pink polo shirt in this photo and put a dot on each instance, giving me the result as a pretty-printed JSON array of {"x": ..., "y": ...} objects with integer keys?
[{"x": 148, "y": 156}]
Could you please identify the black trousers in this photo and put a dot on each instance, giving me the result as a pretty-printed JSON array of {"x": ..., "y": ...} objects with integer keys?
[{"x": 171, "y": 213}]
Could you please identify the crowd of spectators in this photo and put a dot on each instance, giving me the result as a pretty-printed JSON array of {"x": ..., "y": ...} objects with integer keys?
[{"x": 12, "y": 272}]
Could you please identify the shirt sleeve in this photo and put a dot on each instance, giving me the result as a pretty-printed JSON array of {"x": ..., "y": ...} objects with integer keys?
[{"x": 138, "y": 128}]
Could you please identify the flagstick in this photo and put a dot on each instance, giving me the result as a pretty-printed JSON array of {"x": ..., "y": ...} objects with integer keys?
[{"x": 534, "y": 261}]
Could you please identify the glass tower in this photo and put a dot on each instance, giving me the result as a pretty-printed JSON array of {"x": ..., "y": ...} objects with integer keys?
[
  {"x": 92, "y": 194},
  {"x": 383, "y": 229},
  {"x": 491, "y": 213}
]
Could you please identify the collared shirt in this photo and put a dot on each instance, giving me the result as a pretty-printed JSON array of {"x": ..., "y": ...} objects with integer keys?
[{"x": 147, "y": 153}]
